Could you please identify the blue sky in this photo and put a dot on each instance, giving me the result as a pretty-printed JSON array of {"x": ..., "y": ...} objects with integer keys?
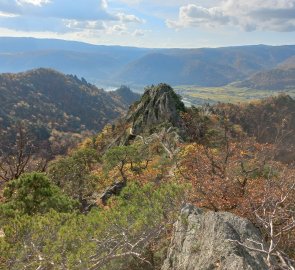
[{"x": 150, "y": 23}]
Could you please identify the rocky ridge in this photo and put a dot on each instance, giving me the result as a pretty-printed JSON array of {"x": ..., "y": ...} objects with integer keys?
[{"x": 159, "y": 107}]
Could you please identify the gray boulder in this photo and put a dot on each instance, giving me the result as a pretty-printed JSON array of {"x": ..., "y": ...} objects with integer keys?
[{"x": 201, "y": 242}]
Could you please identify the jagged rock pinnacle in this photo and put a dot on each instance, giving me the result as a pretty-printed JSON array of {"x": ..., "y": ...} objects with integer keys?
[{"x": 159, "y": 106}]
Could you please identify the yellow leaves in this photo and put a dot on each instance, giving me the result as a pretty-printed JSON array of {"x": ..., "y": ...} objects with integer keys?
[
  {"x": 87, "y": 143},
  {"x": 244, "y": 153},
  {"x": 214, "y": 151},
  {"x": 188, "y": 149}
]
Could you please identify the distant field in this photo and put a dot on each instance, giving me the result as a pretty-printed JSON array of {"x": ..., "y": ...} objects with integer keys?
[{"x": 194, "y": 95}]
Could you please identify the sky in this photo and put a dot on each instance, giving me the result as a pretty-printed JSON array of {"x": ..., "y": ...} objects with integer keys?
[{"x": 152, "y": 23}]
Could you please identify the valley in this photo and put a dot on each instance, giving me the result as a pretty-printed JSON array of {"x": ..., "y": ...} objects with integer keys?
[{"x": 194, "y": 95}]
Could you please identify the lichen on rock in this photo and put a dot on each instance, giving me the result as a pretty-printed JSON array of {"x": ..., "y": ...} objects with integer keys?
[{"x": 202, "y": 240}]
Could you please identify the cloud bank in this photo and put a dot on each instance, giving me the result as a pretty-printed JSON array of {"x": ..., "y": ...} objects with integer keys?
[
  {"x": 62, "y": 16},
  {"x": 250, "y": 15}
]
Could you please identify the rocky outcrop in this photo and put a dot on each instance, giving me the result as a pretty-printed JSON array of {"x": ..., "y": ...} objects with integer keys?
[
  {"x": 202, "y": 241},
  {"x": 159, "y": 106},
  {"x": 114, "y": 189}
]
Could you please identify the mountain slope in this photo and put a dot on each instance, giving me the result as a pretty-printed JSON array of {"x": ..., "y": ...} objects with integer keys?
[
  {"x": 288, "y": 64},
  {"x": 274, "y": 79},
  {"x": 270, "y": 120},
  {"x": 126, "y": 95},
  {"x": 48, "y": 102},
  {"x": 282, "y": 77}
]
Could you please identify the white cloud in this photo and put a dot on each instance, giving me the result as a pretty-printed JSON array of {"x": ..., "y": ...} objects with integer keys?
[
  {"x": 193, "y": 15},
  {"x": 129, "y": 18},
  {"x": 7, "y": 15},
  {"x": 75, "y": 25},
  {"x": 64, "y": 9},
  {"x": 273, "y": 15},
  {"x": 33, "y": 2},
  {"x": 104, "y": 4},
  {"x": 138, "y": 33},
  {"x": 63, "y": 16},
  {"x": 120, "y": 29},
  {"x": 157, "y": 3}
]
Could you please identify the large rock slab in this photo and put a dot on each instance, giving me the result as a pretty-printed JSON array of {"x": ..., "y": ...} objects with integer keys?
[{"x": 201, "y": 242}]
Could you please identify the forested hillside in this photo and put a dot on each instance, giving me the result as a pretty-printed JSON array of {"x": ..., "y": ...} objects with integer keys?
[
  {"x": 280, "y": 77},
  {"x": 111, "y": 202},
  {"x": 55, "y": 110},
  {"x": 271, "y": 120},
  {"x": 274, "y": 79}
]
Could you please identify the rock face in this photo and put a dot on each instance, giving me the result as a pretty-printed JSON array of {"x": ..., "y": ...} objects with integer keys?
[
  {"x": 159, "y": 106},
  {"x": 114, "y": 189},
  {"x": 200, "y": 242}
]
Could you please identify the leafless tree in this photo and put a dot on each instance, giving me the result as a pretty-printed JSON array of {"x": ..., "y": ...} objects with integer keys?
[
  {"x": 276, "y": 218},
  {"x": 15, "y": 158}
]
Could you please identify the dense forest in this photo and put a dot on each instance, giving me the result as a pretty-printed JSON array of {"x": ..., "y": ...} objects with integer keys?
[
  {"x": 50, "y": 112},
  {"x": 60, "y": 101},
  {"x": 110, "y": 203}
]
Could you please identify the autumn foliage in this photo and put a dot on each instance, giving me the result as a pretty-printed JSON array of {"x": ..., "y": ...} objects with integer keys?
[{"x": 130, "y": 188}]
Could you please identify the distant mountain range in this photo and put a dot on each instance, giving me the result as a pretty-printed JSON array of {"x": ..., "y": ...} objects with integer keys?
[
  {"x": 115, "y": 65},
  {"x": 85, "y": 60}
]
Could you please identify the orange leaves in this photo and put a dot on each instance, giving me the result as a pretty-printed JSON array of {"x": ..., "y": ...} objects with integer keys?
[{"x": 229, "y": 178}]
